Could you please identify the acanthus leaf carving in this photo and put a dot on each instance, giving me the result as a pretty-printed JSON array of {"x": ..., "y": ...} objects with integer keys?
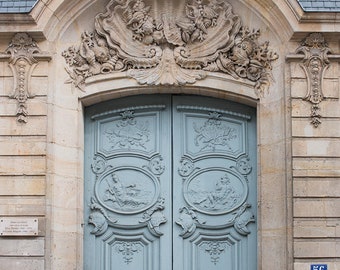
[
  {"x": 154, "y": 217},
  {"x": 99, "y": 218},
  {"x": 188, "y": 220},
  {"x": 23, "y": 54},
  {"x": 169, "y": 50},
  {"x": 242, "y": 217},
  {"x": 314, "y": 64}
]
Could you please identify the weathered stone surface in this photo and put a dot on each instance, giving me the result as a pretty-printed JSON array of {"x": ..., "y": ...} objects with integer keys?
[
  {"x": 316, "y": 207},
  {"x": 22, "y": 247},
  {"x": 316, "y": 147},
  {"x": 315, "y": 164},
  {"x": 22, "y": 185},
  {"x": 39, "y": 86},
  {"x": 36, "y": 106},
  {"x": 10, "y": 127},
  {"x": 25, "y": 165},
  {"x": 316, "y": 187},
  {"x": 34, "y": 263},
  {"x": 316, "y": 249},
  {"x": 22, "y": 206},
  {"x": 301, "y": 127},
  {"x": 316, "y": 228},
  {"x": 298, "y": 87},
  {"x": 19, "y": 146},
  {"x": 329, "y": 108}
]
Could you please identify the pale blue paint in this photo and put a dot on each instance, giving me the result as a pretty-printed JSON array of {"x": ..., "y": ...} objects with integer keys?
[{"x": 192, "y": 153}]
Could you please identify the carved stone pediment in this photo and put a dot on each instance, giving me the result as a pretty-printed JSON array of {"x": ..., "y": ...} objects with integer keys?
[{"x": 170, "y": 50}]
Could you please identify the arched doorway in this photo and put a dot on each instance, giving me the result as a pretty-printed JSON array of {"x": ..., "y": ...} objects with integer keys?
[{"x": 170, "y": 183}]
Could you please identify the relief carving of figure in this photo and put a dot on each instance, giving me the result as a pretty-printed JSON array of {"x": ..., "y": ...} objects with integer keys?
[
  {"x": 124, "y": 195},
  {"x": 223, "y": 195}
]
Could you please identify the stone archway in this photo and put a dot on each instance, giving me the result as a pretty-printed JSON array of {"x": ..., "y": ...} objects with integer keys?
[{"x": 272, "y": 174}]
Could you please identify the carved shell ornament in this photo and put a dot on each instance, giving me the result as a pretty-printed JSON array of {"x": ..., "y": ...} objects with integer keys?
[{"x": 169, "y": 50}]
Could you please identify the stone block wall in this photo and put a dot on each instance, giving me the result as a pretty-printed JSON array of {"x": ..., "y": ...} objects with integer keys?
[
  {"x": 316, "y": 168},
  {"x": 41, "y": 161},
  {"x": 23, "y": 167}
]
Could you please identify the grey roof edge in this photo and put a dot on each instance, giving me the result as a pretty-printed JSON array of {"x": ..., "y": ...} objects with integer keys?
[
  {"x": 319, "y": 6},
  {"x": 17, "y": 6}
]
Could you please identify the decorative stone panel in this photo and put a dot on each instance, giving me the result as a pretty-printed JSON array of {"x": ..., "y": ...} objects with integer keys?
[
  {"x": 315, "y": 56},
  {"x": 169, "y": 50},
  {"x": 23, "y": 55}
]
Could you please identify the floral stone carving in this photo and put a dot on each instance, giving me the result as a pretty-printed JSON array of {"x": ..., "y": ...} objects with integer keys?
[
  {"x": 315, "y": 63},
  {"x": 170, "y": 50},
  {"x": 23, "y": 54},
  {"x": 128, "y": 132},
  {"x": 214, "y": 249},
  {"x": 214, "y": 133},
  {"x": 188, "y": 220},
  {"x": 128, "y": 250},
  {"x": 99, "y": 218}
]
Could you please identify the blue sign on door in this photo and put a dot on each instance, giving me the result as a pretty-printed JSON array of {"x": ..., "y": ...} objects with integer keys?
[{"x": 318, "y": 267}]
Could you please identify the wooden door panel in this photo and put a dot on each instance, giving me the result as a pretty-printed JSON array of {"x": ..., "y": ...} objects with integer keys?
[
  {"x": 170, "y": 183},
  {"x": 128, "y": 221},
  {"x": 215, "y": 160}
]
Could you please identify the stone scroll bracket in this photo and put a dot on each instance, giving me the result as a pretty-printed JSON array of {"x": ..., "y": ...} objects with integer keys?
[
  {"x": 315, "y": 58},
  {"x": 23, "y": 55}
]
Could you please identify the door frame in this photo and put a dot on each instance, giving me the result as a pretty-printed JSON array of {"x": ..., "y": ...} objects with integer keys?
[{"x": 67, "y": 149}]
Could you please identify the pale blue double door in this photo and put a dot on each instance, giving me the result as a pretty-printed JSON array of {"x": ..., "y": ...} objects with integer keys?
[{"x": 170, "y": 184}]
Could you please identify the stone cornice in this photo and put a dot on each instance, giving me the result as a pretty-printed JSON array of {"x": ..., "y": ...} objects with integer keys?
[{"x": 46, "y": 14}]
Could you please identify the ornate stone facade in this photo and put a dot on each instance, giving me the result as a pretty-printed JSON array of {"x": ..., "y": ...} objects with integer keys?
[
  {"x": 221, "y": 49},
  {"x": 168, "y": 50}
]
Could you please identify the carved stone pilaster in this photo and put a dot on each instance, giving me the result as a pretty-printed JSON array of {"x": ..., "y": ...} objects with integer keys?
[
  {"x": 23, "y": 55},
  {"x": 314, "y": 64}
]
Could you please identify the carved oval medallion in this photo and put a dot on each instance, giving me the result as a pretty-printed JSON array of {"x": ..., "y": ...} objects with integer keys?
[
  {"x": 127, "y": 190},
  {"x": 215, "y": 191}
]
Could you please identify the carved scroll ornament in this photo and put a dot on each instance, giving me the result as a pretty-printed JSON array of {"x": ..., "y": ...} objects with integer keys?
[
  {"x": 169, "y": 50},
  {"x": 23, "y": 55},
  {"x": 315, "y": 63}
]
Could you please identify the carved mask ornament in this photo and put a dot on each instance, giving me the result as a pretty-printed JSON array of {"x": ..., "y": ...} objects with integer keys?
[{"x": 169, "y": 50}]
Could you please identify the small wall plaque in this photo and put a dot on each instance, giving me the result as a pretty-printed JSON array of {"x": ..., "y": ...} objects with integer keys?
[
  {"x": 12, "y": 226},
  {"x": 318, "y": 267}
]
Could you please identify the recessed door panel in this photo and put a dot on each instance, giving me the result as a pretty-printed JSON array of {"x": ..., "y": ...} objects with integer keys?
[
  {"x": 214, "y": 184},
  {"x": 170, "y": 183}
]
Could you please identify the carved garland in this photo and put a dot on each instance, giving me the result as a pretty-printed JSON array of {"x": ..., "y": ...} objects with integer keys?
[
  {"x": 23, "y": 55},
  {"x": 165, "y": 51}
]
